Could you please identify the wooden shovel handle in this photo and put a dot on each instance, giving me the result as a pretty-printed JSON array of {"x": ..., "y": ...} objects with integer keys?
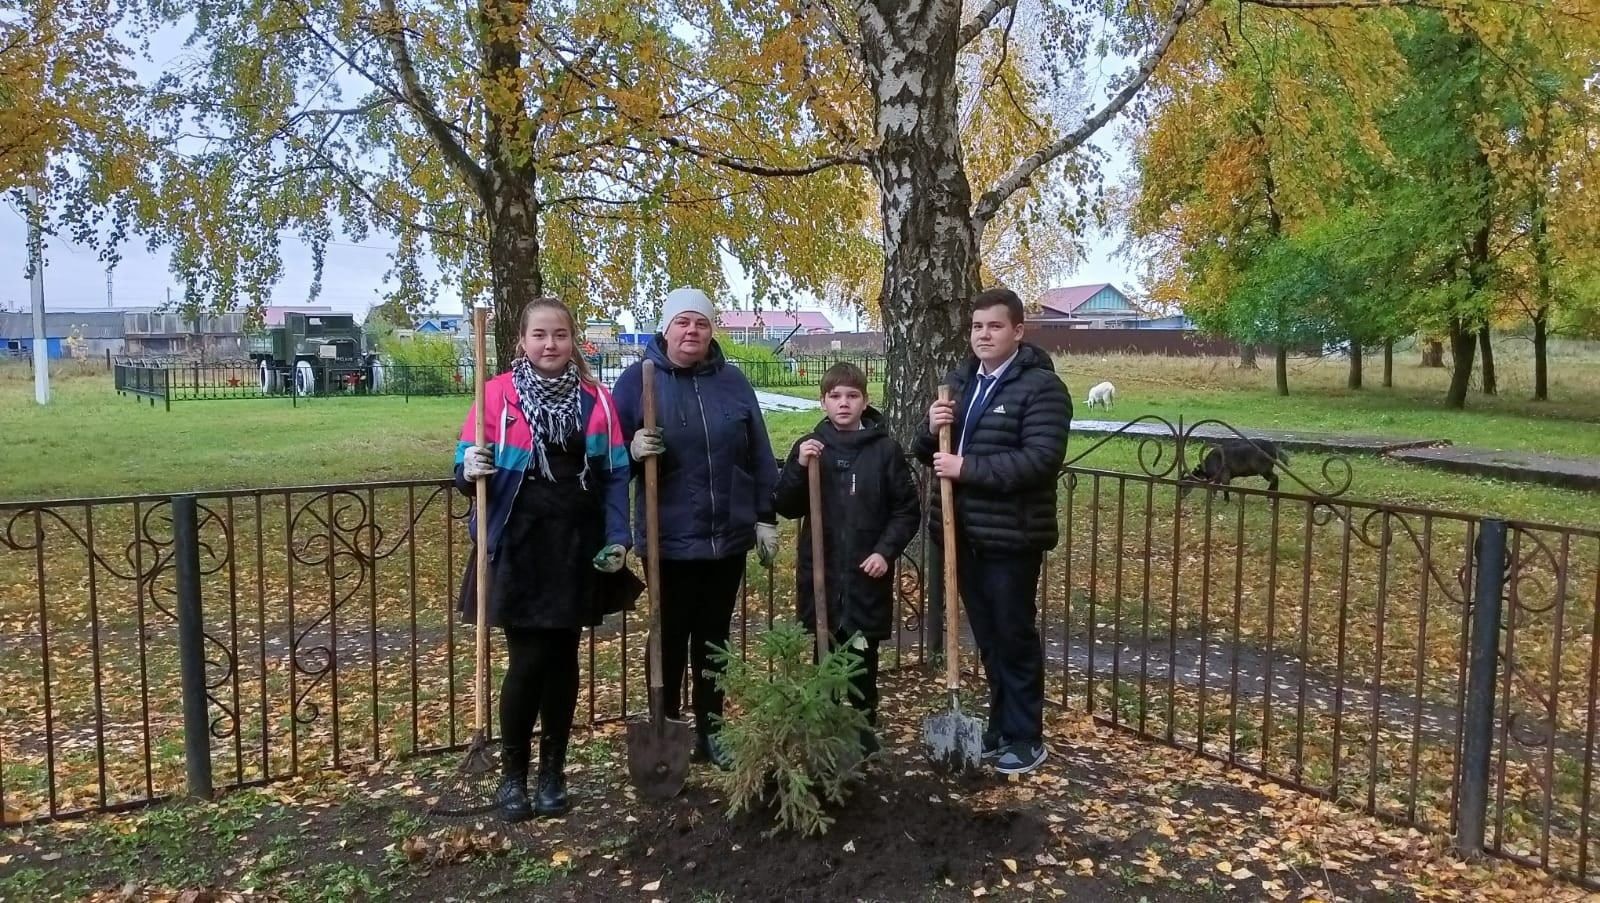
[
  {"x": 480, "y": 681},
  {"x": 952, "y": 611},
  {"x": 819, "y": 589},
  {"x": 652, "y": 524}
]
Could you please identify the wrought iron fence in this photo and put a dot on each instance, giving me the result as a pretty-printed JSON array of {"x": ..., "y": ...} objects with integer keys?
[
  {"x": 169, "y": 381},
  {"x": 153, "y": 645},
  {"x": 1431, "y": 667},
  {"x": 304, "y": 380}
]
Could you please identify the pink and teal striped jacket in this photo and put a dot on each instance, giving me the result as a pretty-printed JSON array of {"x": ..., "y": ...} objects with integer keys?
[{"x": 507, "y": 431}]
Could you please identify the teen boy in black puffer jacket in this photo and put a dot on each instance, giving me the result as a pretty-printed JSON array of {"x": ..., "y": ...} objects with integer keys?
[
  {"x": 869, "y": 513},
  {"x": 1009, "y": 425}
]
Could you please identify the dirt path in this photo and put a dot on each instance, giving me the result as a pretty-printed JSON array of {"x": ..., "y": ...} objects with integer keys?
[{"x": 1108, "y": 818}]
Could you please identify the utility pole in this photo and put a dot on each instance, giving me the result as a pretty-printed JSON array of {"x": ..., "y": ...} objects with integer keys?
[
  {"x": 108, "y": 288},
  {"x": 41, "y": 342}
]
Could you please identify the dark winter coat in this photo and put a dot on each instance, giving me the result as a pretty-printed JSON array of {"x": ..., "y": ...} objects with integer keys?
[
  {"x": 1006, "y": 497},
  {"x": 869, "y": 504},
  {"x": 718, "y": 470}
]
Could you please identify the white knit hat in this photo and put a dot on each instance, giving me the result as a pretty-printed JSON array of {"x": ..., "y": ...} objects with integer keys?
[{"x": 685, "y": 300}]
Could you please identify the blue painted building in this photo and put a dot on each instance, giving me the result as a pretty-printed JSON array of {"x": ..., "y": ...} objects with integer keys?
[{"x": 94, "y": 333}]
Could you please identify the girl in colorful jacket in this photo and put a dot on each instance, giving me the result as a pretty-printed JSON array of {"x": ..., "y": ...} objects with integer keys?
[{"x": 558, "y": 476}]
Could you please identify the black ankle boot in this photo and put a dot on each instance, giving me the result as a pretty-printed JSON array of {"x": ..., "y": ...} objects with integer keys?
[
  {"x": 512, "y": 798},
  {"x": 552, "y": 797}
]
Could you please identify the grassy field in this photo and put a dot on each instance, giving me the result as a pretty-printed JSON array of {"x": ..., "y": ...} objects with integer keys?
[{"x": 91, "y": 442}]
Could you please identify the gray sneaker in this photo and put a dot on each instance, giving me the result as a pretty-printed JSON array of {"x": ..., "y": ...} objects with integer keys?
[{"x": 1020, "y": 758}]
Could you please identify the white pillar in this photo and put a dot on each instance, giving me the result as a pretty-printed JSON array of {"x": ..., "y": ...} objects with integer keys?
[{"x": 41, "y": 342}]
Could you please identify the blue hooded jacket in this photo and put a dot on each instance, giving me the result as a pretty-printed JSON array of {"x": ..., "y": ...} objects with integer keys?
[{"x": 718, "y": 472}]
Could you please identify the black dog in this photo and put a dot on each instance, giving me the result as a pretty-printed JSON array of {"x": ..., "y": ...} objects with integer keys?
[{"x": 1237, "y": 458}]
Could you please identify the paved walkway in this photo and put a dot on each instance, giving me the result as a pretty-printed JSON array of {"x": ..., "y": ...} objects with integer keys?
[
  {"x": 1524, "y": 467},
  {"x": 1290, "y": 440},
  {"x": 1529, "y": 467}
]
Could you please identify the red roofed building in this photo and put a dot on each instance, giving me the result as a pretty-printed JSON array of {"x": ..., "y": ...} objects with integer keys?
[
  {"x": 1099, "y": 305},
  {"x": 750, "y": 327}
]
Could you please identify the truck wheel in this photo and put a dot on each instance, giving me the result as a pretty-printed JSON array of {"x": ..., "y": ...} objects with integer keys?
[
  {"x": 305, "y": 380},
  {"x": 269, "y": 379}
]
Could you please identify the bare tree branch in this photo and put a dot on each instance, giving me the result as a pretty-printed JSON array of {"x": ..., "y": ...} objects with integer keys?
[
  {"x": 417, "y": 98},
  {"x": 755, "y": 168},
  {"x": 985, "y": 17},
  {"x": 989, "y": 204}
]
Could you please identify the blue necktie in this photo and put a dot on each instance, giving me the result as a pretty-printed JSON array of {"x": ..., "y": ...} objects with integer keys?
[{"x": 975, "y": 410}]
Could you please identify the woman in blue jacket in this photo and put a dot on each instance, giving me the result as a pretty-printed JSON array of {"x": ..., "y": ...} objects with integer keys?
[{"x": 717, "y": 476}]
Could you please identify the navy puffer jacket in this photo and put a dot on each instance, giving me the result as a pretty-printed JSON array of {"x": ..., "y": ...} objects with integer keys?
[
  {"x": 1006, "y": 497},
  {"x": 718, "y": 472}
]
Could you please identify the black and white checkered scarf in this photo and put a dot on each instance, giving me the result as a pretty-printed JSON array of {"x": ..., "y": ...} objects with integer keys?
[{"x": 552, "y": 407}]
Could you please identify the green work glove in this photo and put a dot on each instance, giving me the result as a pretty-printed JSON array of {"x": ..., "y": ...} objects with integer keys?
[{"x": 609, "y": 560}]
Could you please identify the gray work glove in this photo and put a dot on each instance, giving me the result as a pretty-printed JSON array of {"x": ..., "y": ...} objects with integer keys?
[
  {"x": 478, "y": 462},
  {"x": 767, "y": 544},
  {"x": 647, "y": 443}
]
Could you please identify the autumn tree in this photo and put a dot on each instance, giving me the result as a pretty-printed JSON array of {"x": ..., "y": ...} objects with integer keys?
[
  {"x": 69, "y": 110},
  {"x": 1475, "y": 148},
  {"x": 1258, "y": 118},
  {"x": 520, "y": 145},
  {"x": 1551, "y": 169}
]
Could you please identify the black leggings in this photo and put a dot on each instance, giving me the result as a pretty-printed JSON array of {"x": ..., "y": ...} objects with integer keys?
[
  {"x": 541, "y": 684},
  {"x": 697, "y": 601}
]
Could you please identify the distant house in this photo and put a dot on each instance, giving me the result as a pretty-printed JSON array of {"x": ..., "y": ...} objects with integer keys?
[
  {"x": 68, "y": 333},
  {"x": 446, "y": 324},
  {"x": 1171, "y": 321},
  {"x": 752, "y": 327},
  {"x": 1100, "y": 305}
]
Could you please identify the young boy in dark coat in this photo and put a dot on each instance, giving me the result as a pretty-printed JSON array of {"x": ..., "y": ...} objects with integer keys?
[{"x": 870, "y": 513}]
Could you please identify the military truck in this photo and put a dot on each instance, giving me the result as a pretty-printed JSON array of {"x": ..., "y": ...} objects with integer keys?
[{"x": 316, "y": 354}]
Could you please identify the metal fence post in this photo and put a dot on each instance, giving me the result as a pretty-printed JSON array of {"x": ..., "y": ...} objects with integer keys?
[
  {"x": 1488, "y": 589},
  {"x": 191, "y": 646}
]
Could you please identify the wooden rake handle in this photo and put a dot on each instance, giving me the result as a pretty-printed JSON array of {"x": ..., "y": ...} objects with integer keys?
[
  {"x": 952, "y": 611},
  {"x": 480, "y": 680},
  {"x": 819, "y": 588}
]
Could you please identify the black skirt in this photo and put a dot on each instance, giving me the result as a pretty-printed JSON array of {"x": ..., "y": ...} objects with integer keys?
[{"x": 542, "y": 575}]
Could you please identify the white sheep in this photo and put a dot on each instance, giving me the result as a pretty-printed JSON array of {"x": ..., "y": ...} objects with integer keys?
[{"x": 1103, "y": 394}]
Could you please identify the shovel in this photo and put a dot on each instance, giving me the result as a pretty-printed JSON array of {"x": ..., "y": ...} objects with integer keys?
[
  {"x": 953, "y": 741},
  {"x": 658, "y": 746}
]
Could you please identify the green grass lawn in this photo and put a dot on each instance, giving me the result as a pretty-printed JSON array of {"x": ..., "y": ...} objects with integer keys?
[
  {"x": 91, "y": 442},
  {"x": 1201, "y": 388}
]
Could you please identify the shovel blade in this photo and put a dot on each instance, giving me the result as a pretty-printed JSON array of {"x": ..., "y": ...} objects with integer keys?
[
  {"x": 953, "y": 741},
  {"x": 658, "y": 756}
]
